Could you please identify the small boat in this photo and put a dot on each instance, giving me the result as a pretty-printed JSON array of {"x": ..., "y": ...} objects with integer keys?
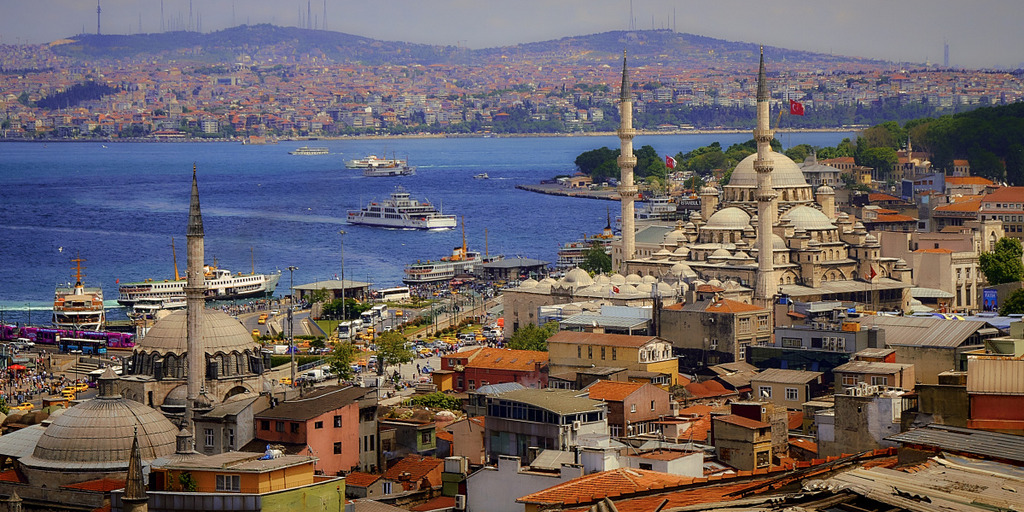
[
  {"x": 481, "y": 176},
  {"x": 307, "y": 150}
]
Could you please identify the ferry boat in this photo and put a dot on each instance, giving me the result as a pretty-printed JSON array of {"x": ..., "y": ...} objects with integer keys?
[
  {"x": 307, "y": 150},
  {"x": 154, "y": 308},
  {"x": 462, "y": 261},
  {"x": 572, "y": 254},
  {"x": 77, "y": 307},
  {"x": 220, "y": 284},
  {"x": 398, "y": 170},
  {"x": 374, "y": 161},
  {"x": 657, "y": 208},
  {"x": 481, "y": 176},
  {"x": 401, "y": 212}
]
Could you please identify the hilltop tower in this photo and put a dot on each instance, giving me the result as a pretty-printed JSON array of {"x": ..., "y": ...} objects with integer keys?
[
  {"x": 97, "y": 17},
  {"x": 626, "y": 161},
  {"x": 194, "y": 289},
  {"x": 767, "y": 207}
]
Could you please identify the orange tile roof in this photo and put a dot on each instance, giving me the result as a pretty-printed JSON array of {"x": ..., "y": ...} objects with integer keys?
[
  {"x": 683, "y": 498},
  {"x": 968, "y": 180},
  {"x": 438, "y": 503},
  {"x": 810, "y": 446},
  {"x": 937, "y": 251},
  {"x": 416, "y": 465},
  {"x": 707, "y": 389},
  {"x": 360, "y": 479},
  {"x": 882, "y": 197},
  {"x": 894, "y": 218},
  {"x": 1009, "y": 194},
  {"x": 592, "y": 338},
  {"x": 970, "y": 205},
  {"x": 612, "y": 391},
  {"x": 732, "y": 306},
  {"x": 612, "y": 483},
  {"x": 101, "y": 485},
  {"x": 12, "y": 475},
  {"x": 740, "y": 421},
  {"x": 796, "y": 420},
  {"x": 501, "y": 358}
]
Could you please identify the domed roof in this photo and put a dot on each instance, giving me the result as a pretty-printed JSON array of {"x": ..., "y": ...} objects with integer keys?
[
  {"x": 649, "y": 279},
  {"x": 548, "y": 281},
  {"x": 708, "y": 190},
  {"x": 644, "y": 288},
  {"x": 778, "y": 243},
  {"x": 665, "y": 289},
  {"x": 529, "y": 283},
  {"x": 728, "y": 218},
  {"x": 220, "y": 333},
  {"x": 617, "y": 279},
  {"x": 672, "y": 238},
  {"x": 97, "y": 434},
  {"x": 681, "y": 251},
  {"x": 785, "y": 172},
  {"x": 825, "y": 189},
  {"x": 633, "y": 279},
  {"x": 721, "y": 253},
  {"x": 601, "y": 279},
  {"x": 808, "y": 218},
  {"x": 577, "y": 277}
]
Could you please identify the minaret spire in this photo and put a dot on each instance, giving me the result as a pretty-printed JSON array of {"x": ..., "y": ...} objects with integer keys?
[
  {"x": 194, "y": 296},
  {"x": 135, "y": 484},
  {"x": 767, "y": 207},
  {"x": 626, "y": 161}
]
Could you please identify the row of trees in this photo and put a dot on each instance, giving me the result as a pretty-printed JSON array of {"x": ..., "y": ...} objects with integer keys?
[{"x": 602, "y": 163}]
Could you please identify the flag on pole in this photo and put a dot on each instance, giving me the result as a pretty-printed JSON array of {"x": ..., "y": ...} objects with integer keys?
[
  {"x": 615, "y": 289},
  {"x": 670, "y": 162},
  {"x": 873, "y": 273},
  {"x": 796, "y": 108}
]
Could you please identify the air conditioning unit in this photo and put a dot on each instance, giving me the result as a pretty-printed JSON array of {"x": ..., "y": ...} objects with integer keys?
[
  {"x": 460, "y": 502},
  {"x": 576, "y": 425}
]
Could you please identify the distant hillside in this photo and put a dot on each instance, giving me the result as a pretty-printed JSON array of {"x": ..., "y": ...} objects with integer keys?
[{"x": 664, "y": 47}]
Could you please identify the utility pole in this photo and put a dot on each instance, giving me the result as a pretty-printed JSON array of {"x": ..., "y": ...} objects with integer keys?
[
  {"x": 291, "y": 304},
  {"x": 344, "y": 309}
]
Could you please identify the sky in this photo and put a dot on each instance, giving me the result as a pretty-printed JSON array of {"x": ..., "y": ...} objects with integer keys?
[{"x": 980, "y": 33}]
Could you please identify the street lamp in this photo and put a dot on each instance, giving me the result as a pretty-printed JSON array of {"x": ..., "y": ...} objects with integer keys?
[
  {"x": 29, "y": 308},
  {"x": 344, "y": 312},
  {"x": 291, "y": 327}
]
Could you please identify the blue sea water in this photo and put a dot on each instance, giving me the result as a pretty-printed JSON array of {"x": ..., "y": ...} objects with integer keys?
[{"x": 118, "y": 205}]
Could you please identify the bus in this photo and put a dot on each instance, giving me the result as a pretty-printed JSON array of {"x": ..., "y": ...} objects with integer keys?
[
  {"x": 396, "y": 294},
  {"x": 82, "y": 346},
  {"x": 348, "y": 329}
]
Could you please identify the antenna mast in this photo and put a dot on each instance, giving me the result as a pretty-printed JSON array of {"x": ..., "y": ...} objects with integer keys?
[
  {"x": 174, "y": 258},
  {"x": 97, "y": 17}
]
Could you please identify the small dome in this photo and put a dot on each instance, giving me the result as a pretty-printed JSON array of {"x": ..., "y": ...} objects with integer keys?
[
  {"x": 708, "y": 190},
  {"x": 633, "y": 279},
  {"x": 680, "y": 269},
  {"x": 601, "y": 279},
  {"x": 644, "y": 288},
  {"x": 617, "y": 279},
  {"x": 715, "y": 282},
  {"x": 825, "y": 189},
  {"x": 808, "y": 218},
  {"x": 681, "y": 251},
  {"x": 728, "y": 218},
  {"x": 674, "y": 237},
  {"x": 666, "y": 290},
  {"x": 220, "y": 333},
  {"x": 721, "y": 253},
  {"x": 548, "y": 281},
  {"x": 649, "y": 279},
  {"x": 529, "y": 283},
  {"x": 778, "y": 243},
  {"x": 870, "y": 239},
  {"x": 662, "y": 254},
  {"x": 731, "y": 285},
  {"x": 543, "y": 287},
  {"x": 577, "y": 277},
  {"x": 785, "y": 172},
  {"x": 740, "y": 255}
]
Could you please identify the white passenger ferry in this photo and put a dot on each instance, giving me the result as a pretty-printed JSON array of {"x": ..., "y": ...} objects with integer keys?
[{"x": 401, "y": 212}]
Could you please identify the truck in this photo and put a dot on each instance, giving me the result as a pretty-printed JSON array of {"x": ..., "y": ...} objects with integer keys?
[
  {"x": 348, "y": 329},
  {"x": 318, "y": 374}
]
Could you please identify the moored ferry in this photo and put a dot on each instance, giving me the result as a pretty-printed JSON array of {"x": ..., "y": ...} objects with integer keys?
[
  {"x": 398, "y": 170},
  {"x": 220, "y": 285},
  {"x": 307, "y": 150},
  {"x": 375, "y": 161},
  {"x": 78, "y": 307},
  {"x": 400, "y": 211},
  {"x": 572, "y": 254},
  {"x": 460, "y": 262}
]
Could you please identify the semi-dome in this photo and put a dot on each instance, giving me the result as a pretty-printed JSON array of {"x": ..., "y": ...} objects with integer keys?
[
  {"x": 785, "y": 172},
  {"x": 220, "y": 333},
  {"x": 728, "y": 218},
  {"x": 778, "y": 243},
  {"x": 808, "y": 218},
  {"x": 97, "y": 435}
]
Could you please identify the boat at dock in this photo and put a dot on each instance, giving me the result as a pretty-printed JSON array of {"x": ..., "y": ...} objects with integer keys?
[
  {"x": 221, "y": 284},
  {"x": 400, "y": 211},
  {"x": 78, "y": 307},
  {"x": 375, "y": 161},
  {"x": 154, "y": 308},
  {"x": 461, "y": 261},
  {"x": 572, "y": 254},
  {"x": 383, "y": 172},
  {"x": 307, "y": 150}
]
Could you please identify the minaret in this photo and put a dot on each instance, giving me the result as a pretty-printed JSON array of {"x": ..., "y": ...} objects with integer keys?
[
  {"x": 134, "y": 498},
  {"x": 767, "y": 208},
  {"x": 194, "y": 288},
  {"x": 627, "y": 161}
]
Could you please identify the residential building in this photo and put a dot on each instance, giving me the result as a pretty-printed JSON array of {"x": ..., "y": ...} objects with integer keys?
[
  {"x": 709, "y": 332},
  {"x": 326, "y": 422},
  {"x": 548, "y": 419},
  {"x": 862, "y": 418},
  {"x": 496, "y": 488},
  {"x": 787, "y": 388},
  {"x": 412, "y": 473},
  {"x": 858, "y": 373},
  {"x": 633, "y": 408},
  {"x": 470, "y": 369},
  {"x": 468, "y": 439},
  {"x": 995, "y": 383},
  {"x": 401, "y": 437},
  {"x": 1005, "y": 204},
  {"x": 742, "y": 443},
  {"x": 228, "y": 426},
  {"x": 643, "y": 357}
]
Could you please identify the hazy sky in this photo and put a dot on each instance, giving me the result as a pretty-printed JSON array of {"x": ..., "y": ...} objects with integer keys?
[{"x": 980, "y": 33}]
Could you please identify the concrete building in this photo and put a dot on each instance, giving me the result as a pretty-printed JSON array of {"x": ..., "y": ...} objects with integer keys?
[
  {"x": 642, "y": 357},
  {"x": 742, "y": 443},
  {"x": 710, "y": 332},
  {"x": 497, "y": 488},
  {"x": 548, "y": 419},
  {"x": 862, "y": 418},
  {"x": 633, "y": 408},
  {"x": 860, "y": 373},
  {"x": 787, "y": 388}
]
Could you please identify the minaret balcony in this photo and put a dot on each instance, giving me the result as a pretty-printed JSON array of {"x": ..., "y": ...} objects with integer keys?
[
  {"x": 626, "y": 133},
  {"x": 628, "y": 161},
  {"x": 629, "y": 191}
]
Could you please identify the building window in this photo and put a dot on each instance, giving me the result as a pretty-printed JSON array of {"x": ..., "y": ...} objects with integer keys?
[
  {"x": 646, "y": 465},
  {"x": 229, "y": 483},
  {"x": 613, "y": 353},
  {"x": 590, "y": 352},
  {"x": 579, "y": 352},
  {"x": 472, "y": 384},
  {"x": 880, "y": 380},
  {"x": 632, "y": 408},
  {"x": 337, "y": 448},
  {"x": 792, "y": 343},
  {"x": 743, "y": 351},
  {"x": 337, "y": 420},
  {"x": 231, "y": 438},
  {"x": 387, "y": 488},
  {"x": 425, "y": 437},
  {"x": 209, "y": 436},
  {"x": 652, "y": 405},
  {"x": 279, "y": 426},
  {"x": 264, "y": 424},
  {"x": 602, "y": 353},
  {"x": 792, "y": 394},
  {"x": 318, "y": 425},
  {"x": 295, "y": 428},
  {"x": 849, "y": 380},
  {"x": 764, "y": 391}
]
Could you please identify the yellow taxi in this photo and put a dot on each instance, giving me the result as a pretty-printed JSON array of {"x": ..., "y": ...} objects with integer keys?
[
  {"x": 256, "y": 333},
  {"x": 82, "y": 386},
  {"x": 287, "y": 381},
  {"x": 69, "y": 393},
  {"x": 263, "y": 319},
  {"x": 24, "y": 406}
]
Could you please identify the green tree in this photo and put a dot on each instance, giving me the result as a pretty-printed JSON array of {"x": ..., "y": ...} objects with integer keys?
[
  {"x": 1003, "y": 264},
  {"x": 799, "y": 152},
  {"x": 532, "y": 337},
  {"x": 341, "y": 358},
  {"x": 437, "y": 400},
  {"x": 391, "y": 351},
  {"x": 880, "y": 159},
  {"x": 1014, "y": 305},
  {"x": 596, "y": 260}
]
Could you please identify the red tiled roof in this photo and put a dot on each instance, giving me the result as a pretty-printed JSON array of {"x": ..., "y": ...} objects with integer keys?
[
  {"x": 612, "y": 390},
  {"x": 970, "y": 205},
  {"x": 101, "y": 485},
  {"x": 1009, "y": 194},
  {"x": 938, "y": 251},
  {"x": 438, "y": 503},
  {"x": 796, "y": 420},
  {"x": 731, "y": 306},
  {"x": 805, "y": 444},
  {"x": 444, "y": 435},
  {"x": 11, "y": 476},
  {"x": 416, "y": 465},
  {"x": 707, "y": 389},
  {"x": 882, "y": 197},
  {"x": 612, "y": 483},
  {"x": 740, "y": 421},
  {"x": 360, "y": 479},
  {"x": 967, "y": 180},
  {"x": 683, "y": 498},
  {"x": 502, "y": 359},
  {"x": 894, "y": 218}
]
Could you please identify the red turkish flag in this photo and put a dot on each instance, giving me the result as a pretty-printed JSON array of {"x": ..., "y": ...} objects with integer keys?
[
  {"x": 796, "y": 108},
  {"x": 670, "y": 162},
  {"x": 873, "y": 273}
]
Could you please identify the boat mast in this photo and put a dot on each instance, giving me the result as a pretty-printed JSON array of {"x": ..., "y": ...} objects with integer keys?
[
  {"x": 78, "y": 270},
  {"x": 252, "y": 255},
  {"x": 487, "y": 252},
  {"x": 464, "y": 236},
  {"x": 174, "y": 258}
]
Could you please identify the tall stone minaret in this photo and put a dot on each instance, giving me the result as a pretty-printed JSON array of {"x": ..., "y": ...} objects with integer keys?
[
  {"x": 627, "y": 161},
  {"x": 767, "y": 208},
  {"x": 194, "y": 289}
]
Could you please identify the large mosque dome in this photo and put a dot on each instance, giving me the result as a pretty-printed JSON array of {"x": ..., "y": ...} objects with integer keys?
[
  {"x": 220, "y": 333},
  {"x": 729, "y": 218},
  {"x": 785, "y": 172}
]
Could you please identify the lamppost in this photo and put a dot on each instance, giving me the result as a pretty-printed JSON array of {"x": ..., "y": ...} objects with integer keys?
[
  {"x": 291, "y": 327},
  {"x": 344, "y": 312},
  {"x": 29, "y": 308}
]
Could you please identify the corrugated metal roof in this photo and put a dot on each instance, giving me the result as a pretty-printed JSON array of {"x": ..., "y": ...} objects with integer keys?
[
  {"x": 882, "y": 283},
  {"x": 924, "y": 331},
  {"x": 558, "y": 401},
  {"x": 964, "y": 440},
  {"x": 598, "y": 320},
  {"x": 781, "y": 376},
  {"x": 497, "y": 389},
  {"x": 929, "y": 293},
  {"x": 870, "y": 367},
  {"x": 997, "y": 375}
]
